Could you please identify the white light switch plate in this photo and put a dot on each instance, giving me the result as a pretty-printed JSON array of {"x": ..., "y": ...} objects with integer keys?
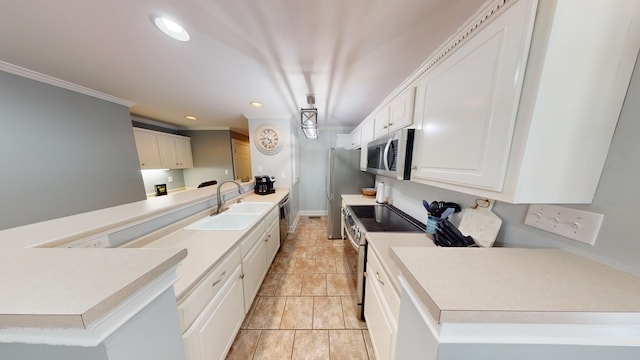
[{"x": 574, "y": 224}]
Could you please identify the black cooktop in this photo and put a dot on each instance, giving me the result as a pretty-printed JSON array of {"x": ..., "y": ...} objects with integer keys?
[{"x": 385, "y": 218}]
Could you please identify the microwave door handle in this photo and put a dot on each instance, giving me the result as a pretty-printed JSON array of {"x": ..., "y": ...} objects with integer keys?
[{"x": 385, "y": 156}]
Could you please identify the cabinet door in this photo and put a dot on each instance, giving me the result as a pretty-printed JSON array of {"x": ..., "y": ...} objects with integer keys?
[
  {"x": 468, "y": 103},
  {"x": 356, "y": 138},
  {"x": 381, "y": 123},
  {"x": 380, "y": 328},
  {"x": 401, "y": 110},
  {"x": 211, "y": 335},
  {"x": 168, "y": 154},
  {"x": 272, "y": 237},
  {"x": 183, "y": 151},
  {"x": 148, "y": 152},
  {"x": 366, "y": 136},
  {"x": 254, "y": 268}
]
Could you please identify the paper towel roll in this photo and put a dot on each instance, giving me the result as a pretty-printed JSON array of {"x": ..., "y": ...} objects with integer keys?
[{"x": 380, "y": 193}]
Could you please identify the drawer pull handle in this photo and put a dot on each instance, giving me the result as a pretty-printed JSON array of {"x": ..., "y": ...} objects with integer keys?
[
  {"x": 378, "y": 278},
  {"x": 221, "y": 277}
]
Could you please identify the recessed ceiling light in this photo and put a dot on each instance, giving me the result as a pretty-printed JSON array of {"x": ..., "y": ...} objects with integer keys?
[
  {"x": 171, "y": 28},
  {"x": 191, "y": 117},
  {"x": 256, "y": 104}
]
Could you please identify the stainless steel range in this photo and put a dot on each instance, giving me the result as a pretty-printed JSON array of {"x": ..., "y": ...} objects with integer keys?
[{"x": 360, "y": 219}]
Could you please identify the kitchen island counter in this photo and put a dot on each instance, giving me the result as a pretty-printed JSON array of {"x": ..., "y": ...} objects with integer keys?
[
  {"x": 508, "y": 285},
  {"x": 74, "y": 288},
  {"x": 206, "y": 248}
]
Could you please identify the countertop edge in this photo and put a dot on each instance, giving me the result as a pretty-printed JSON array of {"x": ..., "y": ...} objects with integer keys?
[
  {"x": 431, "y": 305},
  {"x": 90, "y": 316}
]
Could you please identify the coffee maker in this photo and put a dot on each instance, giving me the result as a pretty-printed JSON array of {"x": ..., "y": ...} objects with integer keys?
[{"x": 264, "y": 185}]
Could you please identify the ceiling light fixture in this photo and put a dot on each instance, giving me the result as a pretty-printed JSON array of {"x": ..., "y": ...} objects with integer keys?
[
  {"x": 171, "y": 28},
  {"x": 309, "y": 118},
  {"x": 191, "y": 117},
  {"x": 309, "y": 122},
  {"x": 256, "y": 104}
]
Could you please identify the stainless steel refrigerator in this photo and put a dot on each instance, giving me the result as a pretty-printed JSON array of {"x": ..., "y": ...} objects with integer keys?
[{"x": 344, "y": 177}]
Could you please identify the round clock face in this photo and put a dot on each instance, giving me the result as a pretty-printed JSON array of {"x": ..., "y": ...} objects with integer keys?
[{"x": 267, "y": 139}]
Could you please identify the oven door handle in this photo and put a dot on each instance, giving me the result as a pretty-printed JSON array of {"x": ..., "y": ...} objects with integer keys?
[
  {"x": 352, "y": 240},
  {"x": 385, "y": 155}
]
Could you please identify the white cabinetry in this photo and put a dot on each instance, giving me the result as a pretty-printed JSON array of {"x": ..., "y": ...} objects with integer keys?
[
  {"x": 356, "y": 138},
  {"x": 213, "y": 312},
  {"x": 211, "y": 335},
  {"x": 468, "y": 102},
  {"x": 381, "y": 122},
  {"x": 158, "y": 150},
  {"x": 381, "y": 308},
  {"x": 528, "y": 126},
  {"x": 401, "y": 110},
  {"x": 148, "y": 151},
  {"x": 272, "y": 239},
  {"x": 175, "y": 152},
  {"x": 396, "y": 115},
  {"x": 258, "y": 251},
  {"x": 366, "y": 136}
]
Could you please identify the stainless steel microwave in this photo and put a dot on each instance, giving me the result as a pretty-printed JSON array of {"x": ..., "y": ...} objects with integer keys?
[{"x": 391, "y": 155}]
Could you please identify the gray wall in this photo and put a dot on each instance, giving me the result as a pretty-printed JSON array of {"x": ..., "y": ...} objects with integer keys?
[
  {"x": 62, "y": 152},
  {"x": 314, "y": 162},
  {"x": 211, "y": 151},
  {"x": 617, "y": 197},
  {"x": 161, "y": 176}
]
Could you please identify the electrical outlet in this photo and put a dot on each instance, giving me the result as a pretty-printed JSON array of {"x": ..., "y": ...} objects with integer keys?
[
  {"x": 170, "y": 179},
  {"x": 574, "y": 224},
  {"x": 226, "y": 171}
]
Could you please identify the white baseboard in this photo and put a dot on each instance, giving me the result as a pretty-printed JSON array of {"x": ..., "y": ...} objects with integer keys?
[{"x": 312, "y": 213}]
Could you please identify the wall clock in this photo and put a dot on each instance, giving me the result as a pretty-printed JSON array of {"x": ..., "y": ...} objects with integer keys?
[{"x": 267, "y": 139}]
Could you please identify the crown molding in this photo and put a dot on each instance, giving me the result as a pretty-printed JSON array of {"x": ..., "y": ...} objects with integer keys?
[{"x": 34, "y": 75}]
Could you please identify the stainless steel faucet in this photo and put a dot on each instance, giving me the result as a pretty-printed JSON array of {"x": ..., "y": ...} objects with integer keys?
[{"x": 220, "y": 202}]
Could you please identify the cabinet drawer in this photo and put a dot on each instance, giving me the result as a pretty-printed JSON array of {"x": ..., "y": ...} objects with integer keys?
[
  {"x": 272, "y": 215},
  {"x": 375, "y": 272},
  {"x": 193, "y": 304},
  {"x": 381, "y": 328},
  {"x": 252, "y": 238}
]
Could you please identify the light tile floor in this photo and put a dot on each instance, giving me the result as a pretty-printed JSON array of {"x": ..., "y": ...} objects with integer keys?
[{"x": 305, "y": 308}]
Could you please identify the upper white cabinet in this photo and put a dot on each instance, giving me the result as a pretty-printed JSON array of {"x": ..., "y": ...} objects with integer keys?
[
  {"x": 381, "y": 122},
  {"x": 401, "y": 110},
  {"x": 467, "y": 104},
  {"x": 521, "y": 125},
  {"x": 396, "y": 115},
  {"x": 158, "y": 150},
  {"x": 148, "y": 152},
  {"x": 175, "y": 151},
  {"x": 356, "y": 138}
]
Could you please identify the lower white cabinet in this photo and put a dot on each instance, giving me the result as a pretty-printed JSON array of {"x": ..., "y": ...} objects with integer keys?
[
  {"x": 380, "y": 309},
  {"x": 272, "y": 239},
  {"x": 254, "y": 268},
  {"x": 211, "y": 335}
]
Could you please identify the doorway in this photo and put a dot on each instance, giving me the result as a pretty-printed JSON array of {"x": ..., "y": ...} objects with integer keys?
[{"x": 241, "y": 159}]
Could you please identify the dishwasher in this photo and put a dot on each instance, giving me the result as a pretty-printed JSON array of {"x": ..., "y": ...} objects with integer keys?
[{"x": 284, "y": 218}]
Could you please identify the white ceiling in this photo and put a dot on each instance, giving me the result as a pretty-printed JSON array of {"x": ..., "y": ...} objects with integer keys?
[{"x": 350, "y": 53}]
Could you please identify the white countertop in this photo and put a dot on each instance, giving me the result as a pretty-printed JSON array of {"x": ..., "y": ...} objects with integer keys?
[
  {"x": 358, "y": 199},
  {"x": 57, "y": 231},
  {"x": 507, "y": 285},
  {"x": 381, "y": 244},
  {"x": 72, "y": 288},
  {"x": 206, "y": 248}
]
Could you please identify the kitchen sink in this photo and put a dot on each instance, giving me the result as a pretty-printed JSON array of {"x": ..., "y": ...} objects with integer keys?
[
  {"x": 225, "y": 221},
  {"x": 249, "y": 207}
]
